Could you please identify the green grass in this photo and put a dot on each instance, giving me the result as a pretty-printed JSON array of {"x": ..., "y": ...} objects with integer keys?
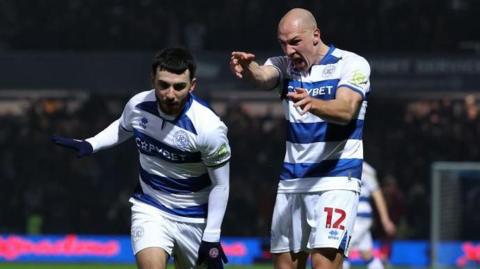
[
  {"x": 132, "y": 266},
  {"x": 99, "y": 266},
  {"x": 64, "y": 266}
]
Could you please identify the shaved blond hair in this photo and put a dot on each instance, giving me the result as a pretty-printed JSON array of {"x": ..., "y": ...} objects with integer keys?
[{"x": 299, "y": 18}]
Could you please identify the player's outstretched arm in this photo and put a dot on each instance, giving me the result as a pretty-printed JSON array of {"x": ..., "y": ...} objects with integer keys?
[
  {"x": 244, "y": 66},
  {"x": 82, "y": 147},
  {"x": 211, "y": 252},
  {"x": 112, "y": 135}
]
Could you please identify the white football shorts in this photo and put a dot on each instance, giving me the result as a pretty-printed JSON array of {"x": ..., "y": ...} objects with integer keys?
[
  {"x": 180, "y": 240},
  {"x": 306, "y": 221},
  {"x": 362, "y": 238}
]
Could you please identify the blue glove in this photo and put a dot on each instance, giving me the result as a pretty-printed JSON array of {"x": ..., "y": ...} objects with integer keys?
[
  {"x": 82, "y": 147},
  {"x": 212, "y": 255}
]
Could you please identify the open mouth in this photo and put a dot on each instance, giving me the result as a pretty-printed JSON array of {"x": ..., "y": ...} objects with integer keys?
[{"x": 298, "y": 62}]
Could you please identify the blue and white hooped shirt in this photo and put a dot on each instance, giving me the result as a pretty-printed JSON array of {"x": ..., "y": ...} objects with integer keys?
[
  {"x": 321, "y": 155},
  {"x": 174, "y": 155}
]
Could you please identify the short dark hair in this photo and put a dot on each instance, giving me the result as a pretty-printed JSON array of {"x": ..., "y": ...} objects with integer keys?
[{"x": 175, "y": 60}]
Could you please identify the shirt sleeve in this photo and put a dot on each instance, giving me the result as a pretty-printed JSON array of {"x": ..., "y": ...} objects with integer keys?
[
  {"x": 217, "y": 201},
  {"x": 109, "y": 137},
  {"x": 356, "y": 75},
  {"x": 116, "y": 133},
  {"x": 125, "y": 120},
  {"x": 214, "y": 146},
  {"x": 280, "y": 63}
]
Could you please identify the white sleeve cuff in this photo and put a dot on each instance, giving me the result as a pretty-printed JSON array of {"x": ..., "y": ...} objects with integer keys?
[{"x": 211, "y": 236}]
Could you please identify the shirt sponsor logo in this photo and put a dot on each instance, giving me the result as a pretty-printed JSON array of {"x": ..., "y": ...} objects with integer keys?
[
  {"x": 324, "y": 90},
  {"x": 150, "y": 148}
]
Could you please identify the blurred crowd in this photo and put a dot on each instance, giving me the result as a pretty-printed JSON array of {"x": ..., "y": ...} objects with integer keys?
[
  {"x": 46, "y": 189},
  {"x": 364, "y": 26},
  {"x": 402, "y": 140}
]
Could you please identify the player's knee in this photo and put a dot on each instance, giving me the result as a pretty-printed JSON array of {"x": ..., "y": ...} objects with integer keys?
[
  {"x": 327, "y": 258},
  {"x": 151, "y": 258},
  {"x": 290, "y": 260},
  {"x": 328, "y": 253}
]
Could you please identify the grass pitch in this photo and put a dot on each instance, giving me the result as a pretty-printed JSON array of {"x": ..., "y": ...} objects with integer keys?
[
  {"x": 132, "y": 266},
  {"x": 100, "y": 266}
]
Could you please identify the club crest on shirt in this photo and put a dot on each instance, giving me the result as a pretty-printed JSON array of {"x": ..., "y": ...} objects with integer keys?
[
  {"x": 143, "y": 122},
  {"x": 181, "y": 140},
  {"x": 328, "y": 70}
]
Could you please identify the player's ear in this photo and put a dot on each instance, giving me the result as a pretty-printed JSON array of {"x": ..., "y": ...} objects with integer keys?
[
  {"x": 193, "y": 84},
  {"x": 152, "y": 79},
  {"x": 316, "y": 37}
]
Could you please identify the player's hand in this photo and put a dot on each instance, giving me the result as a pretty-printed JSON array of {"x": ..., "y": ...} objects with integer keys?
[
  {"x": 239, "y": 62},
  {"x": 390, "y": 228},
  {"x": 301, "y": 100},
  {"x": 212, "y": 255},
  {"x": 82, "y": 147}
]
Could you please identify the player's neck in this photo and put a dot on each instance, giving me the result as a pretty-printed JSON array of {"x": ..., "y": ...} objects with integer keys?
[{"x": 322, "y": 51}]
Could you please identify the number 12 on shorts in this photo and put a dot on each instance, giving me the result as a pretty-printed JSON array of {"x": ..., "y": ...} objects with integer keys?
[{"x": 335, "y": 215}]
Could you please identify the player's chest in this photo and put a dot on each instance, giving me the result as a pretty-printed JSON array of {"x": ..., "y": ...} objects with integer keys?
[
  {"x": 321, "y": 82},
  {"x": 155, "y": 135}
]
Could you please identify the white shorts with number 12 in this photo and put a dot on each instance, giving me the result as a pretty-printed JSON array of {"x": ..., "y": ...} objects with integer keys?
[{"x": 306, "y": 221}]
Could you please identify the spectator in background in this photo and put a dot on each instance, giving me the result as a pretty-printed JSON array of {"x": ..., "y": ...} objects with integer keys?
[{"x": 471, "y": 107}]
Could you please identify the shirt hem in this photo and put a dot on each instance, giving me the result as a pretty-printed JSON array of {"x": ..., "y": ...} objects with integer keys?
[{"x": 156, "y": 211}]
